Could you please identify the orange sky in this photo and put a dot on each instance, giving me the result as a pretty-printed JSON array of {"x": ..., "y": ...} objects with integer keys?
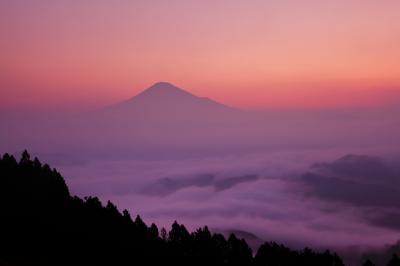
[{"x": 251, "y": 54}]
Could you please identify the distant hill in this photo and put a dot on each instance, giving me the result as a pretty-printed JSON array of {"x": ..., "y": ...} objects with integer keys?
[
  {"x": 164, "y": 118},
  {"x": 164, "y": 99},
  {"x": 165, "y": 106}
]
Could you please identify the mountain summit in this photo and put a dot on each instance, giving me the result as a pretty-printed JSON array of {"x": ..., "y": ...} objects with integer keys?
[
  {"x": 163, "y": 99},
  {"x": 164, "y": 116},
  {"x": 164, "y": 88},
  {"x": 164, "y": 91}
]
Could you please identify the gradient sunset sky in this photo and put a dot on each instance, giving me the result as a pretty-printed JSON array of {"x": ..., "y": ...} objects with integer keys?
[{"x": 254, "y": 54}]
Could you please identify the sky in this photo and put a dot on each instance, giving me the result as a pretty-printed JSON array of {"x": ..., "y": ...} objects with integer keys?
[{"x": 252, "y": 54}]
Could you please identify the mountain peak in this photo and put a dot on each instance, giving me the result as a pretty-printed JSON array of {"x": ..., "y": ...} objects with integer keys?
[
  {"x": 164, "y": 97},
  {"x": 163, "y": 86}
]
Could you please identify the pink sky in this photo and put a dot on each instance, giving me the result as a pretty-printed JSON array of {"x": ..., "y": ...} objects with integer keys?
[{"x": 254, "y": 54}]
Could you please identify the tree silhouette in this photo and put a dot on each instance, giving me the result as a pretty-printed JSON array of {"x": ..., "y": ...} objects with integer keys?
[
  {"x": 163, "y": 234},
  {"x": 394, "y": 261},
  {"x": 368, "y": 263}
]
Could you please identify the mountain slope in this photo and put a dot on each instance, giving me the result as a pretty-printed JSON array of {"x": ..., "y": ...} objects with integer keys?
[
  {"x": 163, "y": 119},
  {"x": 166, "y": 102}
]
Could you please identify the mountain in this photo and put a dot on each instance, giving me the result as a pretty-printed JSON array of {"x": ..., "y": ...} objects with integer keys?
[
  {"x": 164, "y": 94},
  {"x": 162, "y": 119},
  {"x": 164, "y": 102}
]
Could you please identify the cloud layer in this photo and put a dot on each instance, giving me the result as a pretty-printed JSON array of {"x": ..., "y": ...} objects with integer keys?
[{"x": 361, "y": 181}]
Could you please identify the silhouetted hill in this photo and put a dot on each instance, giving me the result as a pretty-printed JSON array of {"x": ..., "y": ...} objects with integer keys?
[
  {"x": 42, "y": 224},
  {"x": 161, "y": 119},
  {"x": 165, "y": 99}
]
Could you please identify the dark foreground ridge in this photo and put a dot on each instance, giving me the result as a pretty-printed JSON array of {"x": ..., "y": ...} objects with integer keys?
[{"x": 42, "y": 224}]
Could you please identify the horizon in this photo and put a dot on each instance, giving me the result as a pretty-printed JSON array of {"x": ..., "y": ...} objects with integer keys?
[{"x": 370, "y": 99}]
